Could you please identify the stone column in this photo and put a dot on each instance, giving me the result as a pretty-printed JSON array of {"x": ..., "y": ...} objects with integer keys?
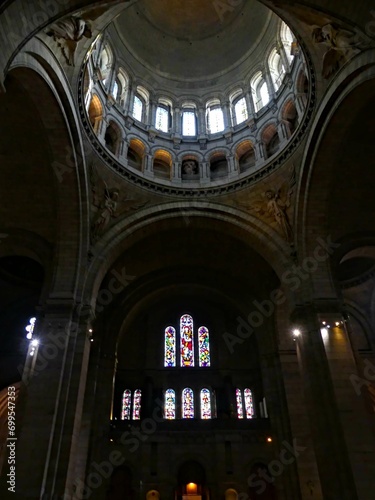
[
  {"x": 227, "y": 116},
  {"x": 123, "y": 151},
  {"x": 148, "y": 169},
  {"x": 51, "y": 405},
  {"x": 331, "y": 453},
  {"x": 232, "y": 167},
  {"x": 250, "y": 104},
  {"x": 176, "y": 172},
  {"x": 152, "y": 114},
  {"x": 270, "y": 85},
  {"x": 177, "y": 125},
  {"x": 345, "y": 373},
  {"x": 204, "y": 171},
  {"x": 202, "y": 129}
]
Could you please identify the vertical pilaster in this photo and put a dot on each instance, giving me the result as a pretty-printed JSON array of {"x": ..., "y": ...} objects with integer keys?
[{"x": 329, "y": 443}]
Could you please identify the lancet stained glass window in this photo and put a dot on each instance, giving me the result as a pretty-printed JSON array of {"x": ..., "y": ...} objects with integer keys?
[
  {"x": 205, "y": 404},
  {"x": 204, "y": 346},
  {"x": 186, "y": 340},
  {"x": 249, "y": 408},
  {"x": 126, "y": 404},
  {"x": 170, "y": 404},
  {"x": 137, "y": 404},
  {"x": 187, "y": 403},
  {"x": 239, "y": 403},
  {"x": 170, "y": 346}
]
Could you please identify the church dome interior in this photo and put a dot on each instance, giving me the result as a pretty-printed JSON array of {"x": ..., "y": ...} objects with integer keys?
[{"x": 187, "y": 250}]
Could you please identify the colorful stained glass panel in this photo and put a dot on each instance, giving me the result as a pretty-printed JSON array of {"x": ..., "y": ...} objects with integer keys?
[
  {"x": 187, "y": 403},
  {"x": 204, "y": 346},
  {"x": 170, "y": 346},
  {"x": 239, "y": 403},
  {"x": 137, "y": 404},
  {"x": 205, "y": 404},
  {"x": 126, "y": 404},
  {"x": 249, "y": 407},
  {"x": 186, "y": 340},
  {"x": 170, "y": 404}
]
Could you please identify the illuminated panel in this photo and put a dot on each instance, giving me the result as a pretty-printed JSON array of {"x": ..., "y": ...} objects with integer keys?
[
  {"x": 186, "y": 341},
  {"x": 249, "y": 408},
  {"x": 170, "y": 404},
  {"x": 205, "y": 404},
  {"x": 126, "y": 404},
  {"x": 187, "y": 403},
  {"x": 137, "y": 404},
  {"x": 170, "y": 346},
  {"x": 204, "y": 346},
  {"x": 239, "y": 403}
]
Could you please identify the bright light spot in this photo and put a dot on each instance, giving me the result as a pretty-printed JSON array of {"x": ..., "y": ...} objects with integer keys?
[
  {"x": 337, "y": 323},
  {"x": 92, "y": 340},
  {"x": 323, "y": 322},
  {"x": 269, "y": 439},
  {"x": 324, "y": 333},
  {"x": 29, "y": 335},
  {"x": 90, "y": 330},
  {"x": 296, "y": 333},
  {"x": 34, "y": 342}
]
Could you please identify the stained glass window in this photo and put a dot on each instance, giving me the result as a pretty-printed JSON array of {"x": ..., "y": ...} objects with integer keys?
[
  {"x": 137, "y": 404},
  {"x": 204, "y": 346},
  {"x": 205, "y": 404},
  {"x": 187, "y": 403},
  {"x": 186, "y": 340},
  {"x": 170, "y": 347},
  {"x": 170, "y": 404},
  {"x": 239, "y": 403},
  {"x": 249, "y": 408},
  {"x": 126, "y": 404}
]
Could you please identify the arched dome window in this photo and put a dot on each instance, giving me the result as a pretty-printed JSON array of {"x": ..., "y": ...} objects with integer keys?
[
  {"x": 163, "y": 119},
  {"x": 288, "y": 41},
  {"x": 120, "y": 87},
  {"x": 189, "y": 120},
  {"x": 277, "y": 69},
  {"x": 259, "y": 90},
  {"x": 239, "y": 109},
  {"x": 105, "y": 64},
  {"x": 215, "y": 117},
  {"x": 141, "y": 104}
]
